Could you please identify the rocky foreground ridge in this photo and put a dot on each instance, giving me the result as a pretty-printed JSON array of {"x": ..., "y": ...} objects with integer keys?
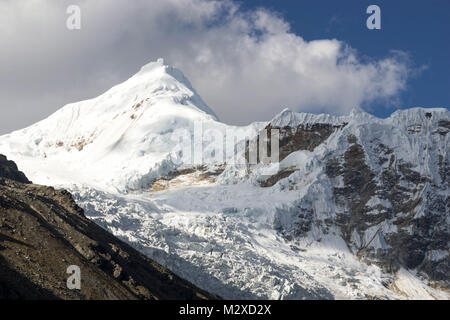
[{"x": 43, "y": 231}]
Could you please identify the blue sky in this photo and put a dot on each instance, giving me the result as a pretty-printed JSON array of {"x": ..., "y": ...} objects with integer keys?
[{"x": 420, "y": 28}]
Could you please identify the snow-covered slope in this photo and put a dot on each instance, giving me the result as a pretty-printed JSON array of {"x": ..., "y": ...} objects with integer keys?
[
  {"x": 120, "y": 140},
  {"x": 358, "y": 208}
]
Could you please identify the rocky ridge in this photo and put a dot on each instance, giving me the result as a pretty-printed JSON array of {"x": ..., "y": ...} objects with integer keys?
[{"x": 43, "y": 232}]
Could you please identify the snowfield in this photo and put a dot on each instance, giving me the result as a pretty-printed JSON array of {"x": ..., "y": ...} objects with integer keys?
[{"x": 221, "y": 230}]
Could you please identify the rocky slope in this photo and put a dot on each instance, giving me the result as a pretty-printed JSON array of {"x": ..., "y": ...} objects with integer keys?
[{"x": 43, "y": 232}]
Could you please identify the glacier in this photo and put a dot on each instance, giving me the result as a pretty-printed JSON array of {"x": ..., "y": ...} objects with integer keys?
[{"x": 351, "y": 190}]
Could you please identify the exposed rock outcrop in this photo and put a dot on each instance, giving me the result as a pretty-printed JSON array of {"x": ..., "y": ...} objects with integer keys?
[
  {"x": 301, "y": 137},
  {"x": 9, "y": 170},
  {"x": 384, "y": 189}
]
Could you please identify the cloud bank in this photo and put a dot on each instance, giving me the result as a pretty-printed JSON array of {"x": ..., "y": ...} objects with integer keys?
[{"x": 246, "y": 65}]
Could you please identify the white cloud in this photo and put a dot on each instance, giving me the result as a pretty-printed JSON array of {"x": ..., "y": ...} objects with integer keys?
[{"x": 246, "y": 65}]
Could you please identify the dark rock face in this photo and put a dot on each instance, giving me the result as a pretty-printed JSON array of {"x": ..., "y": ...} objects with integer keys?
[
  {"x": 43, "y": 232},
  {"x": 9, "y": 170},
  {"x": 389, "y": 200},
  {"x": 358, "y": 188},
  {"x": 303, "y": 137},
  {"x": 407, "y": 192}
]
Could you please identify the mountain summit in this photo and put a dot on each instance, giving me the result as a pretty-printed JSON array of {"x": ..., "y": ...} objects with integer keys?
[
  {"x": 124, "y": 132},
  {"x": 357, "y": 208}
]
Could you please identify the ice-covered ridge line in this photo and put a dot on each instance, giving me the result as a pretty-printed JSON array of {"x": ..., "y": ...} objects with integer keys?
[
  {"x": 419, "y": 115},
  {"x": 288, "y": 118}
]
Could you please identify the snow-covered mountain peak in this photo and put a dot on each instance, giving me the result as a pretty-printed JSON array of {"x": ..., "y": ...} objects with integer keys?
[
  {"x": 149, "y": 67},
  {"x": 349, "y": 190},
  {"x": 158, "y": 78},
  {"x": 155, "y": 93},
  {"x": 125, "y": 131},
  {"x": 160, "y": 71}
]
